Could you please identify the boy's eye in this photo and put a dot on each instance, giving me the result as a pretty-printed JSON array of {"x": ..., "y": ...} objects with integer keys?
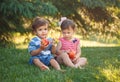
[
  {"x": 40, "y": 29},
  {"x": 68, "y": 32}
]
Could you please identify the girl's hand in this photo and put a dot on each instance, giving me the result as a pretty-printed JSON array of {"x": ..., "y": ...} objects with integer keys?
[
  {"x": 52, "y": 42},
  {"x": 67, "y": 51},
  {"x": 64, "y": 51},
  {"x": 74, "y": 59},
  {"x": 53, "y": 50}
]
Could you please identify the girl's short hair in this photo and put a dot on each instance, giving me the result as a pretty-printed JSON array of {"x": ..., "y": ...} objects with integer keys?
[
  {"x": 67, "y": 23},
  {"x": 39, "y": 22}
]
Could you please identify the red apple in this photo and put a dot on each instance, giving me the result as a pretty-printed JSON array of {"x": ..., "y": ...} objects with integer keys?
[
  {"x": 45, "y": 42},
  {"x": 71, "y": 54}
]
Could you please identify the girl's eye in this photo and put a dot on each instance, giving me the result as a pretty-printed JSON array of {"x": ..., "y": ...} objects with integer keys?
[
  {"x": 64, "y": 33},
  {"x": 45, "y": 29}
]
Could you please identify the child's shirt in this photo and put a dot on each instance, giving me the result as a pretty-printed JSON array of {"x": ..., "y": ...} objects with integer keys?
[
  {"x": 69, "y": 45},
  {"x": 35, "y": 44}
]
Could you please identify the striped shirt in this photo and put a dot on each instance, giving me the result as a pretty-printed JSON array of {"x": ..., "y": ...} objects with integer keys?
[
  {"x": 35, "y": 44},
  {"x": 69, "y": 45}
]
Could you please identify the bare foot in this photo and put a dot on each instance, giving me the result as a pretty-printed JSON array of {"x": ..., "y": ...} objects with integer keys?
[
  {"x": 44, "y": 67},
  {"x": 63, "y": 71}
]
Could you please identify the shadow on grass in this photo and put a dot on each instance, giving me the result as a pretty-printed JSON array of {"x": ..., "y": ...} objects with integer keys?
[{"x": 15, "y": 67}]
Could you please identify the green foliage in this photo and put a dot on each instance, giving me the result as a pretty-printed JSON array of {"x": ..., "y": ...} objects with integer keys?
[
  {"x": 88, "y": 14},
  {"x": 13, "y": 14},
  {"x": 93, "y": 3},
  {"x": 92, "y": 16},
  {"x": 48, "y": 9},
  {"x": 27, "y": 8},
  {"x": 115, "y": 3}
]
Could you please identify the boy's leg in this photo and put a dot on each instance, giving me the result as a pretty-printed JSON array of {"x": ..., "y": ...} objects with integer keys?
[
  {"x": 65, "y": 59},
  {"x": 80, "y": 62},
  {"x": 38, "y": 63}
]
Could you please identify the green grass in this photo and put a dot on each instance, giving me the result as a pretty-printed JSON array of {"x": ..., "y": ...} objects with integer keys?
[{"x": 103, "y": 66}]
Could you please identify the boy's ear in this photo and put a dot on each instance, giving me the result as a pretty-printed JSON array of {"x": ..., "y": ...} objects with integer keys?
[{"x": 34, "y": 32}]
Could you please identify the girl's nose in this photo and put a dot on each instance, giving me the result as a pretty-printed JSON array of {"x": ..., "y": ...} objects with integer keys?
[
  {"x": 44, "y": 31},
  {"x": 66, "y": 34}
]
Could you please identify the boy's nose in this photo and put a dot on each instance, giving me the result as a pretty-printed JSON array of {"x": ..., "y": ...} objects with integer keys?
[{"x": 44, "y": 31}]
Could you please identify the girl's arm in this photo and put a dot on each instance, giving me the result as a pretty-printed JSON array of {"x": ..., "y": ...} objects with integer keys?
[
  {"x": 53, "y": 50},
  {"x": 58, "y": 51},
  {"x": 78, "y": 53}
]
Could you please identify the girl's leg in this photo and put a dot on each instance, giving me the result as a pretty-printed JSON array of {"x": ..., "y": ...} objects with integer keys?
[
  {"x": 55, "y": 64},
  {"x": 38, "y": 63},
  {"x": 80, "y": 62},
  {"x": 64, "y": 58}
]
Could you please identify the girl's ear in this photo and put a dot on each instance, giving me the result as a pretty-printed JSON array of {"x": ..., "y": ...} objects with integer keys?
[{"x": 75, "y": 29}]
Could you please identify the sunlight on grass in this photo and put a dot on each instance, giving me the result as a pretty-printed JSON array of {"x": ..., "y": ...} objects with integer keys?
[
  {"x": 87, "y": 43},
  {"x": 112, "y": 74},
  {"x": 21, "y": 40},
  {"x": 22, "y": 46},
  {"x": 103, "y": 66}
]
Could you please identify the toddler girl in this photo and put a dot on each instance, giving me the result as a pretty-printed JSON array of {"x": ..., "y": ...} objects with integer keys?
[{"x": 68, "y": 48}]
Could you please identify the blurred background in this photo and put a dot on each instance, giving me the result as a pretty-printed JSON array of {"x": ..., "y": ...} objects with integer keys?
[{"x": 98, "y": 21}]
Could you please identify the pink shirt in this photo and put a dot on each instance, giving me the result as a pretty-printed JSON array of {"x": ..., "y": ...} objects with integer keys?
[{"x": 69, "y": 45}]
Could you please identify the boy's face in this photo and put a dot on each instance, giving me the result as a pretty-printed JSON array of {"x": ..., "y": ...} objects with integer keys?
[
  {"x": 42, "y": 31},
  {"x": 68, "y": 33}
]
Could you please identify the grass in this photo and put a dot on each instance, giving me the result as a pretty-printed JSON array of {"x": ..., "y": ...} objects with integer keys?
[{"x": 103, "y": 66}]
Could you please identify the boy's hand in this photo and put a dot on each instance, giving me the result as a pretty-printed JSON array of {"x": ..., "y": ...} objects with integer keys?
[
  {"x": 43, "y": 47},
  {"x": 45, "y": 42}
]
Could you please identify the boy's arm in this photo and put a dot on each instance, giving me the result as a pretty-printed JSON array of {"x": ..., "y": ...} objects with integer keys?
[{"x": 37, "y": 51}]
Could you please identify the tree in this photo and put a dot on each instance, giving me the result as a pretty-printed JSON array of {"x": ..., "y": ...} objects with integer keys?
[
  {"x": 98, "y": 16},
  {"x": 13, "y": 14},
  {"x": 91, "y": 16}
]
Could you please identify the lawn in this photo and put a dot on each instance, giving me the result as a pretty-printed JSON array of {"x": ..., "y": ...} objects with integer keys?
[{"x": 103, "y": 66}]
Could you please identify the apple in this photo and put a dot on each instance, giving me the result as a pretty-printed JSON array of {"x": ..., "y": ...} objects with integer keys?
[
  {"x": 45, "y": 42},
  {"x": 71, "y": 54}
]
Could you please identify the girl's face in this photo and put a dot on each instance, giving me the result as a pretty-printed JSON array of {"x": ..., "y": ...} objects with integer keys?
[
  {"x": 68, "y": 33},
  {"x": 42, "y": 31}
]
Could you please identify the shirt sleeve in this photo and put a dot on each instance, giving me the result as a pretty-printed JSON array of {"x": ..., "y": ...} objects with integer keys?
[
  {"x": 31, "y": 46},
  {"x": 50, "y": 45}
]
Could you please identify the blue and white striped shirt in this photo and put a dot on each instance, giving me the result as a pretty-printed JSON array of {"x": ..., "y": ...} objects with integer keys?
[{"x": 35, "y": 44}]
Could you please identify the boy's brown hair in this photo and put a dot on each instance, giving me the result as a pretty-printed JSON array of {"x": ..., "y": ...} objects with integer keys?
[{"x": 39, "y": 22}]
